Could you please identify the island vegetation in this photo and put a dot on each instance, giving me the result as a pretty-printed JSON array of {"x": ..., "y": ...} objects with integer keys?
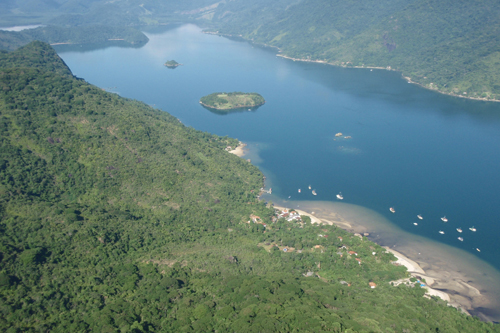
[
  {"x": 234, "y": 100},
  {"x": 114, "y": 216},
  {"x": 172, "y": 64}
]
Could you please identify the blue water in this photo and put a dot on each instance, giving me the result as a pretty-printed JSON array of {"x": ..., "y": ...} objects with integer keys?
[{"x": 412, "y": 149}]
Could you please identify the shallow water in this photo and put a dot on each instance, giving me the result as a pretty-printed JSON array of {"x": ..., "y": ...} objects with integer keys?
[
  {"x": 450, "y": 265},
  {"x": 409, "y": 148}
]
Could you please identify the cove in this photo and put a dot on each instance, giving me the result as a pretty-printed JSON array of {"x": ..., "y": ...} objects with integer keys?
[{"x": 409, "y": 148}]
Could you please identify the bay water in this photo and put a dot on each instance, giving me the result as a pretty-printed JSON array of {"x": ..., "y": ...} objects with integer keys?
[{"x": 402, "y": 146}]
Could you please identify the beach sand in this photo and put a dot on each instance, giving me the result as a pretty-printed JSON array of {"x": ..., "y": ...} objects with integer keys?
[
  {"x": 239, "y": 151},
  {"x": 452, "y": 274}
]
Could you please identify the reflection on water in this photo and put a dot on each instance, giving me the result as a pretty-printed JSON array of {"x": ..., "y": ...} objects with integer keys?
[
  {"x": 226, "y": 112},
  {"x": 90, "y": 47},
  {"x": 349, "y": 150}
]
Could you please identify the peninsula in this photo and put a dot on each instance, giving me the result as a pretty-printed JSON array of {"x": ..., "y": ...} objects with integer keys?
[
  {"x": 172, "y": 64},
  {"x": 233, "y": 100}
]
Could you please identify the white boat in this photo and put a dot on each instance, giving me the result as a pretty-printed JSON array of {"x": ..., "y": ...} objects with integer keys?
[
  {"x": 420, "y": 217},
  {"x": 478, "y": 250},
  {"x": 340, "y": 196},
  {"x": 309, "y": 186},
  {"x": 299, "y": 190},
  {"x": 459, "y": 230},
  {"x": 314, "y": 192},
  {"x": 441, "y": 232},
  {"x": 444, "y": 219},
  {"x": 392, "y": 210},
  {"x": 472, "y": 229},
  {"x": 415, "y": 223},
  {"x": 460, "y": 239}
]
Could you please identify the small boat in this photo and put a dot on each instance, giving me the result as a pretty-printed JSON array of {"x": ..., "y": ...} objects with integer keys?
[
  {"x": 299, "y": 190},
  {"x": 415, "y": 223},
  {"x": 478, "y": 250},
  {"x": 460, "y": 239},
  {"x": 472, "y": 229},
  {"x": 441, "y": 232},
  {"x": 392, "y": 210},
  {"x": 309, "y": 186},
  {"x": 289, "y": 196},
  {"x": 444, "y": 219},
  {"x": 420, "y": 217},
  {"x": 340, "y": 196},
  {"x": 314, "y": 192},
  {"x": 459, "y": 230}
]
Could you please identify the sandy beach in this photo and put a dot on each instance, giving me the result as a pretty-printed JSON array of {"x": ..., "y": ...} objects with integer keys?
[
  {"x": 240, "y": 150},
  {"x": 314, "y": 219},
  {"x": 451, "y": 274}
]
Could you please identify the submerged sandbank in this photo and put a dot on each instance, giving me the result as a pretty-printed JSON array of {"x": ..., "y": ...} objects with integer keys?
[{"x": 469, "y": 282}]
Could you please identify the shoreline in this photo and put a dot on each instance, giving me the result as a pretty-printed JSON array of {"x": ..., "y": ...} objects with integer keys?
[
  {"x": 408, "y": 79},
  {"x": 239, "y": 150},
  {"x": 447, "y": 274},
  {"x": 235, "y": 108},
  {"x": 388, "y": 68},
  {"x": 412, "y": 267}
]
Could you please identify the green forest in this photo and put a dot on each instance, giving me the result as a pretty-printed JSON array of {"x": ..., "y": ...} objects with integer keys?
[
  {"x": 10, "y": 40},
  {"x": 115, "y": 217},
  {"x": 232, "y": 100}
]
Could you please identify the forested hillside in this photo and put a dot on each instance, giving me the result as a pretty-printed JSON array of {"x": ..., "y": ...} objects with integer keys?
[
  {"x": 449, "y": 46},
  {"x": 116, "y": 217},
  {"x": 11, "y": 40}
]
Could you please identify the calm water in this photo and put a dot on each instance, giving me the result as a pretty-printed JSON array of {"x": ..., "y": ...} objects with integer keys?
[{"x": 412, "y": 149}]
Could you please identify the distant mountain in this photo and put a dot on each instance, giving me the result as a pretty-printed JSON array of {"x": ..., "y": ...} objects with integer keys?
[{"x": 446, "y": 45}]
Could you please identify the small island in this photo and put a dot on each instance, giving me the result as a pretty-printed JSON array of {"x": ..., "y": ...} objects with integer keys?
[
  {"x": 233, "y": 100},
  {"x": 172, "y": 64}
]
